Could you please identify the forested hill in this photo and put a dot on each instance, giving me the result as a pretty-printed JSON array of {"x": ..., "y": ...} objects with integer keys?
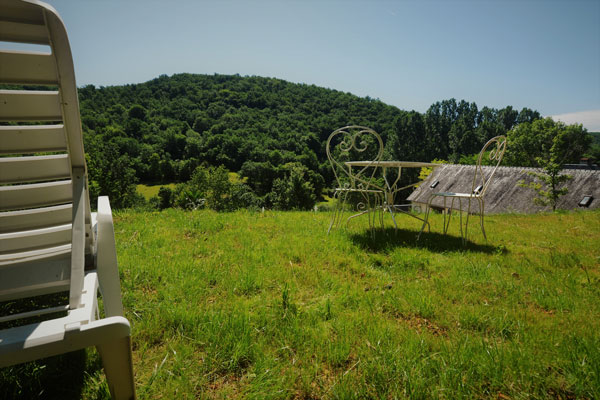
[{"x": 161, "y": 130}]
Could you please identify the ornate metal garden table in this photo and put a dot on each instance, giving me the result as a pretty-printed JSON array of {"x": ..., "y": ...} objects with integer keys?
[{"x": 390, "y": 187}]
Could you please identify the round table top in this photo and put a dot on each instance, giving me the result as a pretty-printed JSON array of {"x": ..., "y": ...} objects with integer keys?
[{"x": 391, "y": 164}]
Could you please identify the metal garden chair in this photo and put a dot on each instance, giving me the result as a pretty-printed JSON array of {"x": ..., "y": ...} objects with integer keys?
[
  {"x": 50, "y": 242},
  {"x": 494, "y": 150},
  {"x": 355, "y": 143}
]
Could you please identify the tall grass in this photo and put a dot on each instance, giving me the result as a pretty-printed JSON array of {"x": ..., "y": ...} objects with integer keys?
[{"x": 267, "y": 305}]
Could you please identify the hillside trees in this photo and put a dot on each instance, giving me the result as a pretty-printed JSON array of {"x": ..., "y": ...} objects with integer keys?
[
  {"x": 163, "y": 129},
  {"x": 110, "y": 173}
]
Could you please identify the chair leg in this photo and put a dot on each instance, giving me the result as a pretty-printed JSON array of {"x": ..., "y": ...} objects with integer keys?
[
  {"x": 393, "y": 218},
  {"x": 334, "y": 211},
  {"x": 460, "y": 210},
  {"x": 370, "y": 215},
  {"x": 382, "y": 212},
  {"x": 481, "y": 213},
  {"x": 445, "y": 213},
  {"x": 467, "y": 222},
  {"x": 118, "y": 367},
  {"x": 362, "y": 208},
  {"x": 425, "y": 220},
  {"x": 449, "y": 212},
  {"x": 373, "y": 213},
  {"x": 378, "y": 210},
  {"x": 338, "y": 210}
]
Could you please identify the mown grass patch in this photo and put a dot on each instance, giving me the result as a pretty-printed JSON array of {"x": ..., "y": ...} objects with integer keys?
[
  {"x": 149, "y": 191},
  {"x": 267, "y": 305}
]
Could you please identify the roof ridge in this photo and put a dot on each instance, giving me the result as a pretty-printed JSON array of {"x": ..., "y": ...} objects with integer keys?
[{"x": 516, "y": 167}]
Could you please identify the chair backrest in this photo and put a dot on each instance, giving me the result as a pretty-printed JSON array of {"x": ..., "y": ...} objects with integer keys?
[
  {"x": 494, "y": 151},
  {"x": 46, "y": 238},
  {"x": 354, "y": 143}
]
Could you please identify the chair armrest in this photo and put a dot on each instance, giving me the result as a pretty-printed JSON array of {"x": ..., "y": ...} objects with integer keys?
[{"x": 106, "y": 253}]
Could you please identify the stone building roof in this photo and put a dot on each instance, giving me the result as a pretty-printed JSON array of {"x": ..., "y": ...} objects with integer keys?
[{"x": 504, "y": 195}]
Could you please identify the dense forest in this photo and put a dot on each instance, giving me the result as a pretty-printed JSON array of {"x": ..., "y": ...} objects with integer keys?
[{"x": 272, "y": 133}]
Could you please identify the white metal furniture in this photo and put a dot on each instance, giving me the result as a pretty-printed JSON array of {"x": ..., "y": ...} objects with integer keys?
[
  {"x": 50, "y": 242},
  {"x": 390, "y": 188},
  {"x": 494, "y": 149},
  {"x": 352, "y": 143}
]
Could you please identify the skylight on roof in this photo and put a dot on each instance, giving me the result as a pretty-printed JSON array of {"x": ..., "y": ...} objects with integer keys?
[{"x": 586, "y": 201}]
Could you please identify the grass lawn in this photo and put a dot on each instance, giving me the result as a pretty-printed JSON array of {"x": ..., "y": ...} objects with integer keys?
[{"x": 268, "y": 306}]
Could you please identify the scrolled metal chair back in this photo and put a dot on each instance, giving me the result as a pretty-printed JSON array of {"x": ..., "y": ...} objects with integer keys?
[
  {"x": 494, "y": 150},
  {"x": 354, "y": 143}
]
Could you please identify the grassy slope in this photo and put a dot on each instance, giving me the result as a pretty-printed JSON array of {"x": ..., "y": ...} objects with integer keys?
[
  {"x": 252, "y": 305},
  {"x": 267, "y": 305}
]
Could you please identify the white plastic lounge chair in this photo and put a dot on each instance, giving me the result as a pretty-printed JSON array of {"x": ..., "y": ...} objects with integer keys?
[
  {"x": 355, "y": 143},
  {"x": 50, "y": 242},
  {"x": 494, "y": 150}
]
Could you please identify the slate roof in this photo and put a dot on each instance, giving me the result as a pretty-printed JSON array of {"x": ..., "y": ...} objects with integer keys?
[{"x": 504, "y": 195}]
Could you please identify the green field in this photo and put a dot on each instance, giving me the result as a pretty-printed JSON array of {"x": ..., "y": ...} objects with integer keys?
[
  {"x": 149, "y": 191},
  {"x": 268, "y": 306}
]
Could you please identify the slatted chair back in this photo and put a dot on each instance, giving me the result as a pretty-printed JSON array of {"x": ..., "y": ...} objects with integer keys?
[
  {"x": 46, "y": 238},
  {"x": 493, "y": 150},
  {"x": 354, "y": 143}
]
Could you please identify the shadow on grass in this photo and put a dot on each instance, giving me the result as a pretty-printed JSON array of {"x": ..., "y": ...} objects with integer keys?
[
  {"x": 381, "y": 240},
  {"x": 57, "y": 377}
]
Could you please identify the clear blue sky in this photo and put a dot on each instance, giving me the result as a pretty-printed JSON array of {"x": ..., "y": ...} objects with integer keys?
[{"x": 541, "y": 54}]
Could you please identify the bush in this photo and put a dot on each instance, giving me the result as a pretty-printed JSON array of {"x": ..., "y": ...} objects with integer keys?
[
  {"x": 295, "y": 191},
  {"x": 165, "y": 198}
]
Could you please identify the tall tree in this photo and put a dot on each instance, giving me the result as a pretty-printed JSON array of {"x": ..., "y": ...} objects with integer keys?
[
  {"x": 488, "y": 124},
  {"x": 507, "y": 116},
  {"x": 408, "y": 140},
  {"x": 463, "y": 138},
  {"x": 527, "y": 115}
]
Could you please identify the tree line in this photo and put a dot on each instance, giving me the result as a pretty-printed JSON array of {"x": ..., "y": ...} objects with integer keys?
[{"x": 198, "y": 129}]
